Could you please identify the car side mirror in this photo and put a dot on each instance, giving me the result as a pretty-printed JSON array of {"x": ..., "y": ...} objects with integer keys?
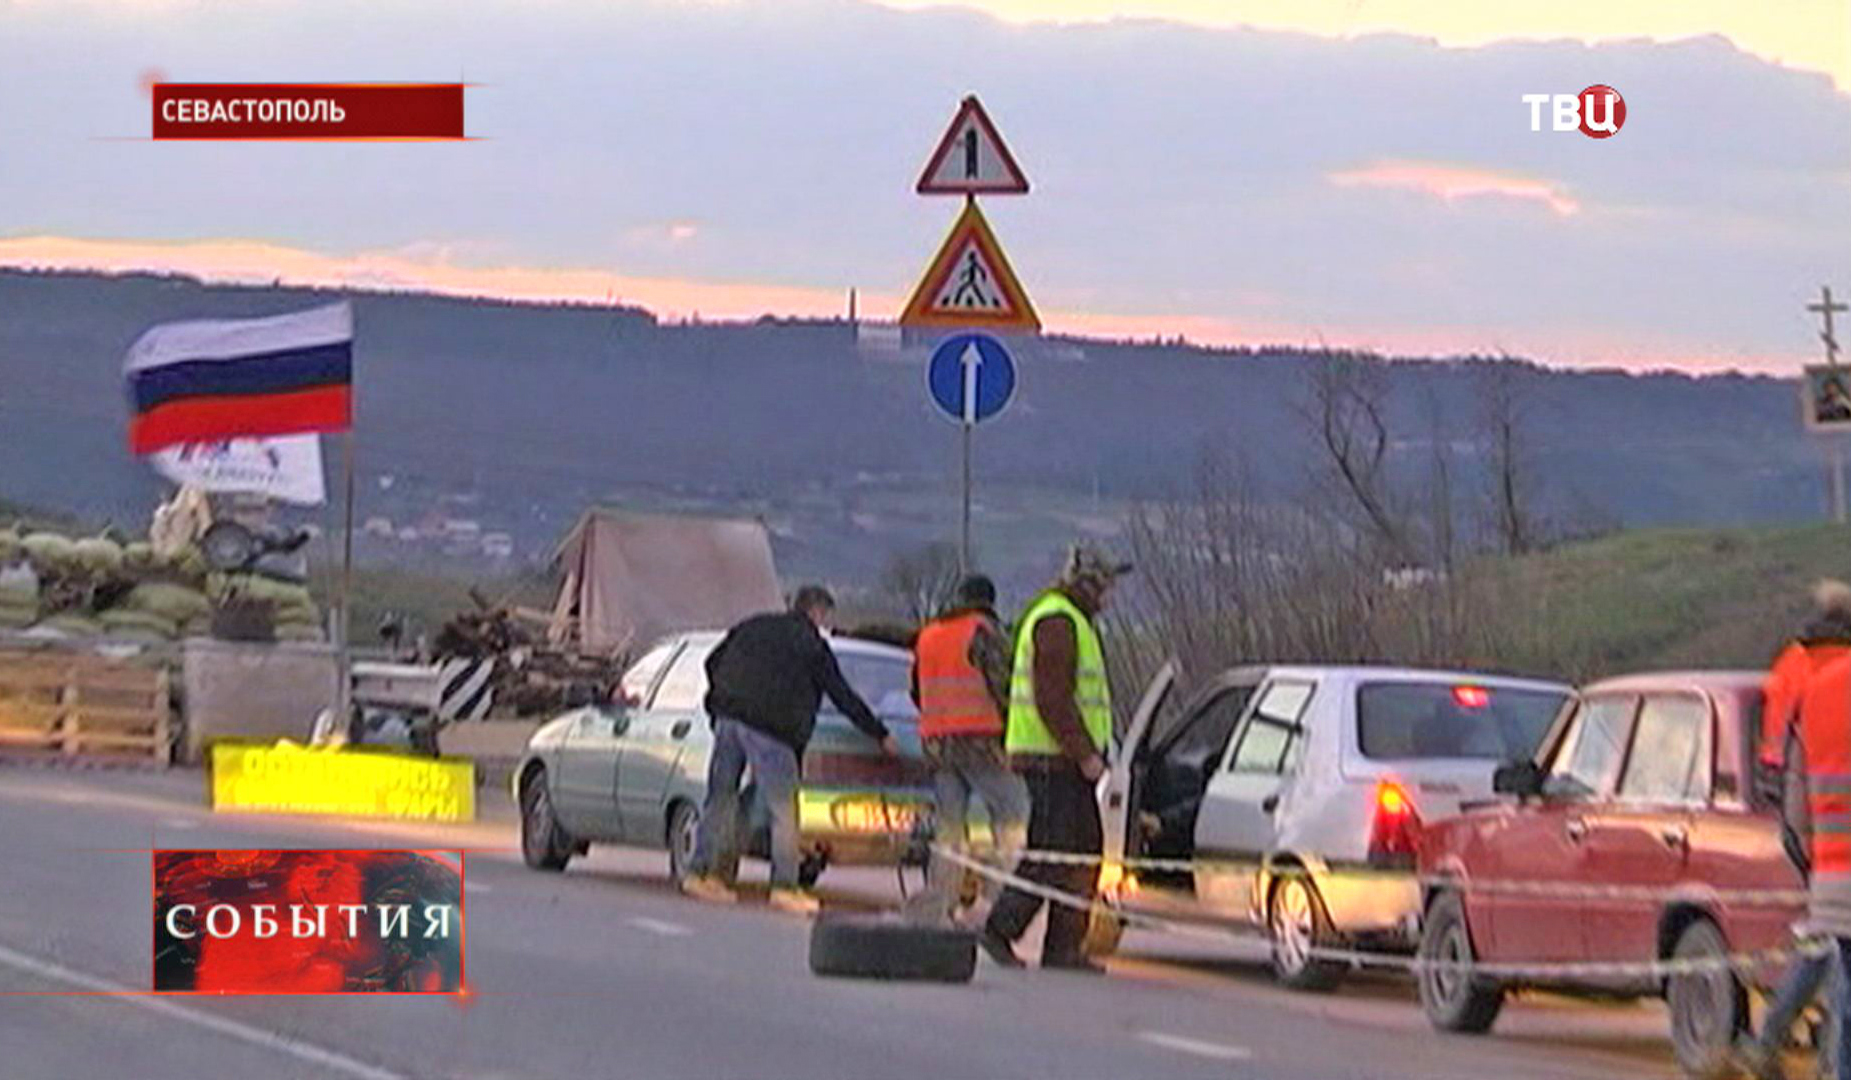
[{"x": 1524, "y": 779}]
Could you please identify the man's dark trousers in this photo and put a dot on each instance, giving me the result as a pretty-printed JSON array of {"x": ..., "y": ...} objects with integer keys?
[{"x": 1063, "y": 816}]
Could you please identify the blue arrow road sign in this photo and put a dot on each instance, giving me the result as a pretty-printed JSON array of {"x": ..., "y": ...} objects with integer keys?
[{"x": 971, "y": 377}]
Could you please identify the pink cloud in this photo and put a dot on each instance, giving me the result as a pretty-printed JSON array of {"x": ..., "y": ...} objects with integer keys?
[
  {"x": 1454, "y": 182},
  {"x": 429, "y": 268}
]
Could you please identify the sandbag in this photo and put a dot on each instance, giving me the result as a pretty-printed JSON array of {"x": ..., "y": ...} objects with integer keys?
[
  {"x": 887, "y": 947},
  {"x": 138, "y": 555},
  {"x": 73, "y": 623},
  {"x": 117, "y": 619},
  {"x": 49, "y": 551},
  {"x": 10, "y": 549},
  {"x": 18, "y": 616},
  {"x": 97, "y": 555},
  {"x": 177, "y": 603}
]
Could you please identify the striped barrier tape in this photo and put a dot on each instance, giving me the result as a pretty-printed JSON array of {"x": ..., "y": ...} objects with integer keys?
[
  {"x": 1479, "y": 886},
  {"x": 1540, "y": 971}
]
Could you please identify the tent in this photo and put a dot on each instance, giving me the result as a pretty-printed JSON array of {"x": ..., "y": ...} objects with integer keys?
[{"x": 631, "y": 578}]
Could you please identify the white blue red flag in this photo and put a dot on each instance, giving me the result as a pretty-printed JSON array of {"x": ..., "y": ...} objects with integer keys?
[{"x": 211, "y": 380}]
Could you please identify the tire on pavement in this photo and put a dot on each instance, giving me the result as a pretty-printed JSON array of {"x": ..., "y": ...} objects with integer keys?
[
  {"x": 884, "y": 947},
  {"x": 1453, "y": 999},
  {"x": 1296, "y": 924},
  {"x": 1709, "y": 1008},
  {"x": 544, "y": 843}
]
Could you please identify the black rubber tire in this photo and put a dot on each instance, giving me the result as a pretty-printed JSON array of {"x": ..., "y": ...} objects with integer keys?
[
  {"x": 1708, "y": 1008},
  {"x": 1311, "y": 975},
  {"x": 1451, "y": 1000},
  {"x": 544, "y": 844},
  {"x": 876, "y": 947},
  {"x": 683, "y": 823}
]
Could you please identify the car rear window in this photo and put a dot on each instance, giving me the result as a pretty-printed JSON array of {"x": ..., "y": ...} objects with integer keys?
[
  {"x": 1452, "y": 720},
  {"x": 884, "y": 682}
]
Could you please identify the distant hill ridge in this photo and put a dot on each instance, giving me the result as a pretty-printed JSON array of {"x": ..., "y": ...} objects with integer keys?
[{"x": 519, "y": 414}]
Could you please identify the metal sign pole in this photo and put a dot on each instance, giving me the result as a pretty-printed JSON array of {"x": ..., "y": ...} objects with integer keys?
[{"x": 964, "y": 559}]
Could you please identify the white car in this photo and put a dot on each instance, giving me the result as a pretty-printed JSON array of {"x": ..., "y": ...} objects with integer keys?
[{"x": 1300, "y": 792}]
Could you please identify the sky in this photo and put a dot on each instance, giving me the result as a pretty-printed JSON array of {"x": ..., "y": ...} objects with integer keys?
[{"x": 1356, "y": 173}]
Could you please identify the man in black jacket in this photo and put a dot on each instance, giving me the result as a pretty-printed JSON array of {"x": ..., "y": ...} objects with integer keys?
[{"x": 765, "y": 682}]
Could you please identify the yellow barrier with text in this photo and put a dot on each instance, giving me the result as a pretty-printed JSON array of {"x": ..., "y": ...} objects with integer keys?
[{"x": 285, "y": 778}]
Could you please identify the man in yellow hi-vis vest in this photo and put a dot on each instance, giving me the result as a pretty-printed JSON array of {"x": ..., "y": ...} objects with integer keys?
[{"x": 1060, "y": 724}]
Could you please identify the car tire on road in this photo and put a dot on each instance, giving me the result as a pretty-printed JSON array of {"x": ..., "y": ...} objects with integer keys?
[
  {"x": 684, "y": 825},
  {"x": 885, "y": 947},
  {"x": 1709, "y": 1008},
  {"x": 544, "y": 844},
  {"x": 1454, "y": 1000},
  {"x": 1295, "y": 926}
]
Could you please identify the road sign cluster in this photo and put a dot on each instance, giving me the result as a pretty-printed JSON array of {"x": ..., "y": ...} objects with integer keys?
[{"x": 969, "y": 284}]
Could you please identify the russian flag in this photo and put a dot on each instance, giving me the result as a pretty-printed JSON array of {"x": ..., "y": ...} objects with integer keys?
[{"x": 208, "y": 380}]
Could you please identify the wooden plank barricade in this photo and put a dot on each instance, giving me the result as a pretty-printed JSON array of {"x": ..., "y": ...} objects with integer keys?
[{"x": 72, "y": 703}]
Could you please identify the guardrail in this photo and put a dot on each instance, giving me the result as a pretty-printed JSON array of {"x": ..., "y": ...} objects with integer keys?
[{"x": 72, "y": 703}]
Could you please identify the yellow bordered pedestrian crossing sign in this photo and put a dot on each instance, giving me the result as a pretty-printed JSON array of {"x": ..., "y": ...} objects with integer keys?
[{"x": 971, "y": 284}]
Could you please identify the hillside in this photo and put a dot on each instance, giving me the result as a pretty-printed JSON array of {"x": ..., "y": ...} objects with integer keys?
[
  {"x": 513, "y": 417},
  {"x": 1669, "y": 598}
]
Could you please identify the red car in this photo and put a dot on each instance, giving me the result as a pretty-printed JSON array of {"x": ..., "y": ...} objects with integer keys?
[{"x": 1644, "y": 783}]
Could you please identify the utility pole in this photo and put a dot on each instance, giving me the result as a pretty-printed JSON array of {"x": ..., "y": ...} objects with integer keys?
[{"x": 1833, "y": 443}]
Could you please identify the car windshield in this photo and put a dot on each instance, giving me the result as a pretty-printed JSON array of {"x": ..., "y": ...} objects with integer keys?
[
  {"x": 1452, "y": 720},
  {"x": 884, "y": 682}
]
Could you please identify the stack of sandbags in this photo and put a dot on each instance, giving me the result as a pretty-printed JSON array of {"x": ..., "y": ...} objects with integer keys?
[{"x": 159, "y": 611}]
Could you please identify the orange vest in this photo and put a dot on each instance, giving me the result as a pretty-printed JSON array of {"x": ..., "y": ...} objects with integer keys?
[
  {"x": 1825, "y": 733},
  {"x": 953, "y": 697},
  {"x": 1785, "y": 687}
]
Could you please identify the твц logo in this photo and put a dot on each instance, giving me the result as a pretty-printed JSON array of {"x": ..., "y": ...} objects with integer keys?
[{"x": 1597, "y": 112}]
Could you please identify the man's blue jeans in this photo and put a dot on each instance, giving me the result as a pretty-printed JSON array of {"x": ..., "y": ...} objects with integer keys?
[
  {"x": 1797, "y": 990},
  {"x": 775, "y": 770}
]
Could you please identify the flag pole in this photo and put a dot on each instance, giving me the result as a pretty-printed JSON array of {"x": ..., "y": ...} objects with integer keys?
[{"x": 343, "y": 701}]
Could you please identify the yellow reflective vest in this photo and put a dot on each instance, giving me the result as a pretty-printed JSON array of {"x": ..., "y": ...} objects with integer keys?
[{"x": 1027, "y": 732}]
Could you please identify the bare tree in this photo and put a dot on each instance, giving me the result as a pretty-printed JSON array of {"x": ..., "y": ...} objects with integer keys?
[
  {"x": 921, "y": 581},
  {"x": 1347, "y": 415},
  {"x": 1512, "y": 488}
]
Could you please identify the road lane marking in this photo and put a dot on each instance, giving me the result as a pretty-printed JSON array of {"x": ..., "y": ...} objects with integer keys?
[
  {"x": 1198, "y": 1047},
  {"x": 659, "y": 926},
  {"x": 179, "y": 823},
  {"x": 269, "y": 1040}
]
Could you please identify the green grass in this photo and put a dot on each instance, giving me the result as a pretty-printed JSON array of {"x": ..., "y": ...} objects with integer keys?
[{"x": 1665, "y": 598}]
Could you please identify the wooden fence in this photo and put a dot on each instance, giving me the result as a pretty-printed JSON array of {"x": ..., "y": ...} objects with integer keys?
[{"x": 82, "y": 704}]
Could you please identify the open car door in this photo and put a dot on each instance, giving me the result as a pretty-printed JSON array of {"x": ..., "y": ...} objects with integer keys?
[{"x": 1115, "y": 796}]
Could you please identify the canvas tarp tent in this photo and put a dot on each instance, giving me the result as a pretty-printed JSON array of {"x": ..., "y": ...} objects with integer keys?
[{"x": 630, "y": 578}]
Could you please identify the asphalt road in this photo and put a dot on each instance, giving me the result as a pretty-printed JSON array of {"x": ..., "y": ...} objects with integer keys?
[{"x": 605, "y": 972}]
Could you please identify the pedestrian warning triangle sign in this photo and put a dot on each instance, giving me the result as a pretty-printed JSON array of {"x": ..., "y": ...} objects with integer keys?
[
  {"x": 970, "y": 283},
  {"x": 971, "y": 159}
]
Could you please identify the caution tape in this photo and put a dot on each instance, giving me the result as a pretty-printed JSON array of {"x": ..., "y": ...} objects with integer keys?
[
  {"x": 1538, "y": 971},
  {"x": 1476, "y": 886}
]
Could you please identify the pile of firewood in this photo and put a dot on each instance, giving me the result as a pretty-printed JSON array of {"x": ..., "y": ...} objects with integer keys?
[{"x": 531, "y": 675}]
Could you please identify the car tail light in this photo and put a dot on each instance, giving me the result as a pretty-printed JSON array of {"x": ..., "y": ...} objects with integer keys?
[
  {"x": 1396, "y": 828},
  {"x": 1471, "y": 697}
]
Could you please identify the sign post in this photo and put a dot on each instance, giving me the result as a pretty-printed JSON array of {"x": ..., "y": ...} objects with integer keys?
[
  {"x": 970, "y": 286},
  {"x": 1825, "y": 400},
  {"x": 971, "y": 379}
]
